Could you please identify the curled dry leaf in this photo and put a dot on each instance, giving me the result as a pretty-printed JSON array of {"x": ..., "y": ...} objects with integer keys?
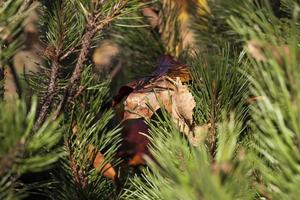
[
  {"x": 165, "y": 91},
  {"x": 164, "y": 87},
  {"x": 142, "y": 103},
  {"x": 183, "y": 106}
]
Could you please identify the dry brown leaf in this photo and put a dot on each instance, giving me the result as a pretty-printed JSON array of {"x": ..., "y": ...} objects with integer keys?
[
  {"x": 173, "y": 95},
  {"x": 147, "y": 90},
  {"x": 184, "y": 103},
  {"x": 142, "y": 102},
  {"x": 164, "y": 87},
  {"x": 137, "y": 160},
  {"x": 100, "y": 164},
  {"x": 135, "y": 144}
]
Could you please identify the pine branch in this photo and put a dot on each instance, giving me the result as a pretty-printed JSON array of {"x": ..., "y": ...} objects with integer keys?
[
  {"x": 96, "y": 16},
  {"x": 219, "y": 87},
  {"x": 87, "y": 170},
  {"x": 93, "y": 26},
  {"x": 21, "y": 151}
]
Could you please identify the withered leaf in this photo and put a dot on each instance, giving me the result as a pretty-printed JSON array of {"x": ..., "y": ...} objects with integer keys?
[
  {"x": 100, "y": 164},
  {"x": 166, "y": 66},
  {"x": 135, "y": 144},
  {"x": 173, "y": 95},
  {"x": 165, "y": 88}
]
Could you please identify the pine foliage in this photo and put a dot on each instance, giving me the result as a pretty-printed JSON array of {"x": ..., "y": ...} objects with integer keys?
[
  {"x": 76, "y": 177},
  {"x": 245, "y": 79},
  {"x": 21, "y": 150},
  {"x": 256, "y": 145}
]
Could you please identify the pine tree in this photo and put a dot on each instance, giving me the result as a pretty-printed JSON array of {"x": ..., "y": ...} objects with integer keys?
[{"x": 240, "y": 64}]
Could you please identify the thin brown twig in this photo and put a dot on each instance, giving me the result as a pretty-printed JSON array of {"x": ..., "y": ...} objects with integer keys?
[
  {"x": 86, "y": 42},
  {"x": 69, "y": 52},
  {"x": 49, "y": 95},
  {"x": 53, "y": 53},
  {"x": 94, "y": 25},
  {"x": 78, "y": 174}
]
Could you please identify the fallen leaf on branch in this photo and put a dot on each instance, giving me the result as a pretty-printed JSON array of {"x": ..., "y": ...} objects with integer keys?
[
  {"x": 166, "y": 89},
  {"x": 163, "y": 88},
  {"x": 166, "y": 66}
]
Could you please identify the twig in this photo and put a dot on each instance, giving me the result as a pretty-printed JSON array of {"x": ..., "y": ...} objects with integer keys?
[
  {"x": 49, "y": 95},
  {"x": 78, "y": 174},
  {"x": 69, "y": 52}
]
